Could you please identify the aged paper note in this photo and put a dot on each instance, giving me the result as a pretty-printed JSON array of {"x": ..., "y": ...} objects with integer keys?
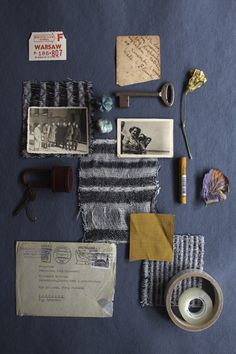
[
  {"x": 137, "y": 59},
  {"x": 65, "y": 279}
]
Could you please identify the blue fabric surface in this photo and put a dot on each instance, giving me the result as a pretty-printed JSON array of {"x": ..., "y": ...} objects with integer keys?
[{"x": 193, "y": 34}]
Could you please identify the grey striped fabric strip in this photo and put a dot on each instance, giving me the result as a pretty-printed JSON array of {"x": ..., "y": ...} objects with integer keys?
[
  {"x": 53, "y": 94},
  {"x": 113, "y": 164},
  {"x": 188, "y": 254},
  {"x": 116, "y": 172},
  {"x": 110, "y": 189},
  {"x": 117, "y": 182},
  {"x": 106, "y": 235},
  {"x": 113, "y": 196}
]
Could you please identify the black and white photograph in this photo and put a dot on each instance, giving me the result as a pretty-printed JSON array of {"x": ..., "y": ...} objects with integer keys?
[
  {"x": 147, "y": 138},
  {"x": 57, "y": 130}
]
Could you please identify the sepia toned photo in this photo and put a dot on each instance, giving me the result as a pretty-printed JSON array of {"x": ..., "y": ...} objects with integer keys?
[
  {"x": 147, "y": 138},
  {"x": 57, "y": 130}
]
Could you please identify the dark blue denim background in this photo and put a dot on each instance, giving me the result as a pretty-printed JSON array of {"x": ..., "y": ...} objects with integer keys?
[{"x": 193, "y": 34}]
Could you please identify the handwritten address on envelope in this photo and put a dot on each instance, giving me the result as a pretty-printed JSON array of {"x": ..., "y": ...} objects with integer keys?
[
  {"x": 65, "y": 279},
  {"x": 137, "y": 59}
]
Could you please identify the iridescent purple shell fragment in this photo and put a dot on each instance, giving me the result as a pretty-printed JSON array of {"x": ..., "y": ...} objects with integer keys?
[{"x": 215, "y": 186}]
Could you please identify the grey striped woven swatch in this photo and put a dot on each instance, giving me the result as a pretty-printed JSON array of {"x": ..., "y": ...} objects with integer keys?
[
  {"x": 111, "y": 188},
  {"x": 54, "y": 94},
  {"x": 188, "y": 254}
]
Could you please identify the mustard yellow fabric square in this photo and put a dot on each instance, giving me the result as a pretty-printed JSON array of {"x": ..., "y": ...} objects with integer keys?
[{"x": 151, "y": 237}]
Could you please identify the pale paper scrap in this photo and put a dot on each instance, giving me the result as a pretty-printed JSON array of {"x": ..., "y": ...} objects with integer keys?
[
  {"x": 137, "y": 59},
  {"x": 47, "y": 46},
  {"x": 65, "y": 279}
]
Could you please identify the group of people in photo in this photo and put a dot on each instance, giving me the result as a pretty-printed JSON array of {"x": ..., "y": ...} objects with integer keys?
[
  {"x": 64, "y": 135},
  {"x": 134, "y": 141}
]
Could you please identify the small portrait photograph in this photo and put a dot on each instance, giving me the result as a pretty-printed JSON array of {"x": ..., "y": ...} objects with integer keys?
[
  {"x": 57, "y": 130},
  {"x": 147, "y": 138}
]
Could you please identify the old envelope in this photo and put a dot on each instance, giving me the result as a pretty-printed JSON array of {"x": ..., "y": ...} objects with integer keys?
[
  {"x": 137, "y": 59},
  {"x": 65, "y": 279}
]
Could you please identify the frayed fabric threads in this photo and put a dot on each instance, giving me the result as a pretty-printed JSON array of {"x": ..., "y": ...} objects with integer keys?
[
  {"x": 188, "y": 254},
  {"x": 110, "y": 189}
]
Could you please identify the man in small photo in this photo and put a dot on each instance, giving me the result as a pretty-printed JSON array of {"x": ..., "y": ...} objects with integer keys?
[
  {"x": 68, "y": 137},
  {"x": 52, "y": 135},
  {"x": 37, "y": 137},
  {"x": 46, "y": 130}
]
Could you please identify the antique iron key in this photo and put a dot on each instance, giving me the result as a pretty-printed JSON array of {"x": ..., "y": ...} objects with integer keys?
[{"x": 167, "y": 94}]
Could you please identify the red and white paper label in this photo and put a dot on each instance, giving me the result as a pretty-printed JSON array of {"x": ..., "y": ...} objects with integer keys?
[{"x": 47, "y": 46}]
